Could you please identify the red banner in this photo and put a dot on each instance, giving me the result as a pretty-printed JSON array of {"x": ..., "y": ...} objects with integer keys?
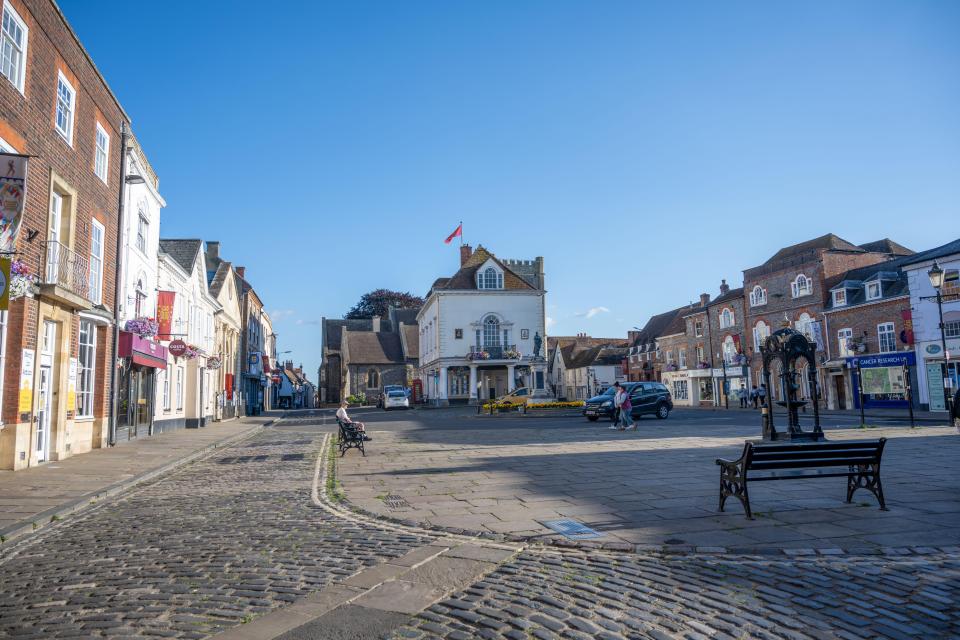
[
  {"x": 906, "y": 336},
  {"x": 165, "y": 300},
  {"x": 228, "y": 383},
  {"x": 736, "y": 343}
]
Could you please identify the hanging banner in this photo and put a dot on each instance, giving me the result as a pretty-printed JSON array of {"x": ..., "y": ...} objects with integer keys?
[
  {"x": 817, "y": 335},
  {"x": 165, "y": 300},
  {"x": 13, "y": 190},
  {"x": 25, "y": 404},
  {"x": 4, "y": 284},
  {"x": 906, "y": 335}
]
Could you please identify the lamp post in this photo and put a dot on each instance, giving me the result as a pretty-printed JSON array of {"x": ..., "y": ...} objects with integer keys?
[
  {"x": 724, "y": 388},
  {"x": 936, "y": 279}
]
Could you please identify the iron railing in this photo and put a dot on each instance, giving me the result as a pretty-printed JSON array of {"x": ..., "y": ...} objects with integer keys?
[
  {"x": 496, "y": 352},
  {"x": 66, "y": 268}
]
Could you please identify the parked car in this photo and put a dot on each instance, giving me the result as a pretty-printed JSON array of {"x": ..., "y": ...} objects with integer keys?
[
  {"x": 517, "y": 396},
  {"x": 396, "y": 399},
  {"x": 387, "y": 388},
  {"x": 646, "y": 398}
]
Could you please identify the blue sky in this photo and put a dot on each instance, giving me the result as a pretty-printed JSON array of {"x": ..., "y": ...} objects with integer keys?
[{"x": 645, "y": 150}]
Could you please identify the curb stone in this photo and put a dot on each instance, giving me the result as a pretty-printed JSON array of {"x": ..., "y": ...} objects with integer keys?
[{"x": 43, "y": 519}]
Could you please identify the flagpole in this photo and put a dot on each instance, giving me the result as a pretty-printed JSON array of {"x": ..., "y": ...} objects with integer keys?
[{"x": 461, "y": 233}]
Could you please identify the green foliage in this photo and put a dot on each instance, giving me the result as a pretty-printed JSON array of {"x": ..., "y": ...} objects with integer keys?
[
  {"x": 378, "y": 303},
  {"x": 359, "y": 398}
]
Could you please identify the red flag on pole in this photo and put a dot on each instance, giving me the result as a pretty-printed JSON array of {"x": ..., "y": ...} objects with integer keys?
[{"x": 456, "y": 232}]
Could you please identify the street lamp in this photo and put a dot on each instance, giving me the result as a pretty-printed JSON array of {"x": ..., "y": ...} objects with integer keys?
[{"x": 936, "y": 279}]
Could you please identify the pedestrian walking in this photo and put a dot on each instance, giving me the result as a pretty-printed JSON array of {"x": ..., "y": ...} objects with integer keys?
[
  {"x": 626, "y": 414},
  {"x": 742, "y": 394},
  {"x": 762, "y": 394},
  {"x": 618, "y": 397},
  {"x": 754, "y": 396}
]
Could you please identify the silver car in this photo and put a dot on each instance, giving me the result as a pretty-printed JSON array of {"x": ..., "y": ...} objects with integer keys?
[{"x": 396, "y": 400}]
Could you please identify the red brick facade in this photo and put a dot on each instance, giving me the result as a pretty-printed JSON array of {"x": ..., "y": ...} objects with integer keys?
[{"x": 27, "y": 123}]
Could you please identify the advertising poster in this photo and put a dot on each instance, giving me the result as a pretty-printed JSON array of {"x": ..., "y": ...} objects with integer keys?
[
  {"x": 72, "y": 386},
  {"x": 25, "y": 404},
  {"x": 883, "y": 381},
  {"x": 4, "y": 284}
]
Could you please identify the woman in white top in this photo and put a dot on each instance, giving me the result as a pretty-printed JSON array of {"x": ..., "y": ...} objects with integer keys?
[{"x": 345, "y": 419}]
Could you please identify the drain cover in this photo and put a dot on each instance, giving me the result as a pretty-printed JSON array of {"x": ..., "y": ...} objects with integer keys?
[
  {"x": 396, "y": 502},
  {"x": 572, "y": 529}
]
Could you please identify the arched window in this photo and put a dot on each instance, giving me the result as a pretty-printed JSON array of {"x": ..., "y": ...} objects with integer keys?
[
  {"x": 490, "y": 279},
  {"x": 727, "y": 319},
  {"x": 373, "y": 379},
  {"x": 804, "y": 325},
  {"x": 761, "y": 331},
  {"x": 140, "y": 296},
  {"x": 729, "y": 350},
  {"x": 758, "y": 296},
  {"x": 491, "y": 332},
  {"x": 801, "y": 286}
]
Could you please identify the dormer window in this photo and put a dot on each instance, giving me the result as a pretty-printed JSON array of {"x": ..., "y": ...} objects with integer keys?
[
  {"x": 489, "y": 278},
  {"x": 758, "y": 296},
  {"x": 840, "y": 298},
  {"x": 874, "y": 290},
  {"x": 801, "y": 286}
]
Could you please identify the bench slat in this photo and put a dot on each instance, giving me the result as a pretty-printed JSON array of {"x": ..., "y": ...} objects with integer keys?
[
  {"x": 813, "y": 446},
  {"x": 794, "y": 455},
  {"x": 802, "y": 463},
  {"x": 800, "y": 476}
]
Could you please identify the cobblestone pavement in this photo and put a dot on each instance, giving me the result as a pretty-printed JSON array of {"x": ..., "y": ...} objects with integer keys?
[
  {"x": 618, "y": 596},
  {"x": 205, "y": 548}
]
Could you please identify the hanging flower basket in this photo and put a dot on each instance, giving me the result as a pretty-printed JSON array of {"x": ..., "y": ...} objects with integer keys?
[
  {"x": 511, "y": 354},
  {"x": 23, "y": 284},
  {"x": 143, "y": 327},
  {"x": 191, "y": 352},
  {"x": 703, "y": 365},
  {"x": 478, "y": 355}
]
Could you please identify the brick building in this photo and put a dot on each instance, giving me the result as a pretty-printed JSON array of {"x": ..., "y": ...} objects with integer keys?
[
  {"x": 790, "y": 289},
  {"x": 697, "y": 358},
  {"x": 643, "y": 360},
  {"x": 57, "y": 108},
  {"x": 726, "y": 340}
]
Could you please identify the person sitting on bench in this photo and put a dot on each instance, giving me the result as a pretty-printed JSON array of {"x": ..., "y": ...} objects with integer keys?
[{"x": 345, "y": 419}]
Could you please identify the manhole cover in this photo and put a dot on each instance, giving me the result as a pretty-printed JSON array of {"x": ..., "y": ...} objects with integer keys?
[
  {"x": 396, "y": 502},
  {"x": 571, "y": 529}
]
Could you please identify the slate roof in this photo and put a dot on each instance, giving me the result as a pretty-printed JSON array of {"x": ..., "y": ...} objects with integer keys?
[
  {"x": 404, "y": 316},
  {"x": 183, "y": 252},
  {"x": 949, "y": 249},
  {"x": 333, "y": 330},
  {"x": 592, "y": 356},
  {"x": 367, "y": 347},
  {"x": 828, "y": 242},
  {"x": 656, "y": 326},
  {"x": 466, "y": 276},
  {"x": 219, "y": 278},
  {"x": 733, "y": 294},
  {"x": 888, "y": 246}
]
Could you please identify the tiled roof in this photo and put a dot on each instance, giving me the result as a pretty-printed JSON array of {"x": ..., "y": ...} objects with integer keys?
[
  {"x": 404, "y": 316},
  {"x": 949, "y": 249},
  {"x": 829, "y": 242},
  {"x": 367, "y": 347},
  {"x": 733, "y": 294},
  {"x": 656, "y": 326},
  {"x": 219, "y": 278},
  {"x": 411, "y": 340},
  {"x": 466, "y": 277},
  {"x": 887, "y": 246},
  {"x": 593, "y": 356},
  {"x": 184, "y": 252}
]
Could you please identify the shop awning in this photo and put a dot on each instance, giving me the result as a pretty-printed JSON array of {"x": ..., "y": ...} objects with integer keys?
[{"x": 142, "y": 351}]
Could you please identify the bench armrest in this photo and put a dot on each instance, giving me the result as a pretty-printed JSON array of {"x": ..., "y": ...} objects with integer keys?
[{"x": 727, "y": 463}]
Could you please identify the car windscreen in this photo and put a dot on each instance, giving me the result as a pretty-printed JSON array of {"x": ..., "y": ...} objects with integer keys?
[{"x": 397, "y": 394}]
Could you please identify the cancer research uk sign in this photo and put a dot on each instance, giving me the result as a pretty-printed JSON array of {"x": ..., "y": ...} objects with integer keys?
[{"x": 13, "y": 191}]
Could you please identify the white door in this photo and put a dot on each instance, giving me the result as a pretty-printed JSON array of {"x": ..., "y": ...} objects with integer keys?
[
  {"x": 42, "y": 444},
  {"x": 53, "y": 237}
]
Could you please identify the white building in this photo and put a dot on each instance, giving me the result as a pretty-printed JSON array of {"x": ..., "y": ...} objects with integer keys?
[
  {"x": 141, "y": 358},
  {"x": 185, "y": 391},
  {"x": 483, "y": 330},
  {"x": 926, "y": 323},
  {"x": 584, "y": 367}
]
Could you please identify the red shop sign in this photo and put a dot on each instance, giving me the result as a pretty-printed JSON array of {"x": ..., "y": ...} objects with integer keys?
[{"x": 177, "y": 348}]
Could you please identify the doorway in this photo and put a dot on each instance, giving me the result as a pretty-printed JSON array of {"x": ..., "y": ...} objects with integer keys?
[
  {"x": 841, "y": 392},
  {"x": 46, "y": 391}
]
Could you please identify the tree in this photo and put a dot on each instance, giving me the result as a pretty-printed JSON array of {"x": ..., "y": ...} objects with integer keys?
[{"x": 378, "y": 303}]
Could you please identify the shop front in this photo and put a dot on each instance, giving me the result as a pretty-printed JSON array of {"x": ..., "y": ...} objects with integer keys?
[
  {"x": 140, "y": 359},
  {"x": 728, "y": 382},
  {"x": 938, "y": 374},
  {"x": 701, "y": 387},
  {"x": 883, "y": 381}
]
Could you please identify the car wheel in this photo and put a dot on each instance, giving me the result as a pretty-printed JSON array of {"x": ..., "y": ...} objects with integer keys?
[
  {"x": 592, "y": 418},
  {"x": 662, "y": 411}
]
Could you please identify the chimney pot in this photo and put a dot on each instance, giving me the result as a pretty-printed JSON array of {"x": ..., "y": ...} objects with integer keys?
[
  {"x": 724, "y": 287},
  {"x": 241, "y": 271},
  {"x": 704, "y": 299}
]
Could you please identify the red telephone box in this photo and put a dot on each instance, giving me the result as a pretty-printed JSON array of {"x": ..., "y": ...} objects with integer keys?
[{"x": 417, "y": 391}]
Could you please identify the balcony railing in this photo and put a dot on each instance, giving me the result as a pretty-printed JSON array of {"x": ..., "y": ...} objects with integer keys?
[
  {"x": 67, "y": 269},
  {"x": 494, "y": 352}
]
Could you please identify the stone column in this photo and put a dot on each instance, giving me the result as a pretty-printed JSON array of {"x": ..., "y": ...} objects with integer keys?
[
  {"x": 511, "y": 373},
  {"x": 473, "y": 384},
  {"x": 442, "y": 391}
]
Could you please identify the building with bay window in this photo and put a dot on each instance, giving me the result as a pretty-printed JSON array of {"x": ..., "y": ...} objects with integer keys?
[{"x": 482, "y": 331}]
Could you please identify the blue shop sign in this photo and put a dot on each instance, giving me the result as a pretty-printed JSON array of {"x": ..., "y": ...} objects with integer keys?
[
  {"x": 891, "y": 401},
  {"x": 884, "y": 360}
]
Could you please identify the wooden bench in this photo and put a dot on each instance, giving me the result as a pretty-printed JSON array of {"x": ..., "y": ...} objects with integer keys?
[
  {"x": 350, "y": 438},
  {"x": 762, "y": 461}
]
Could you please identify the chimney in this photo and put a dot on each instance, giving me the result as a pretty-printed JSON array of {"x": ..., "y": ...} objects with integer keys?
[
  {"x": 288, "y": 365},
  {"x": 376, "y": 323},
  {"x": 240, "y": 271},
  {"x": 704, "y": 299},
  {"x": 465, "y": 252},
  {"x": 213, "y": 248},
  {"x": 724, "y": 288}
]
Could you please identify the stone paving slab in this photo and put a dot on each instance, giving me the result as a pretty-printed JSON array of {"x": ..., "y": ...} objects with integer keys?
[
  {"x": 658, "y": 486},
  {"x": 31, "y": 498}
]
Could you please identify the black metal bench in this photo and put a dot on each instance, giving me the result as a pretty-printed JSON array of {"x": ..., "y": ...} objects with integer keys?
[
  {"x": 861, "y": 457},
  {"x": 350, "y": 438}
]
